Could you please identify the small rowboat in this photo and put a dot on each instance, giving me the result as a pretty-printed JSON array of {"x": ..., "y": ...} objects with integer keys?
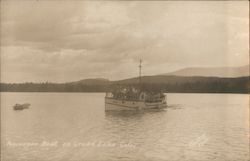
[{"x": 21, "y": 106}]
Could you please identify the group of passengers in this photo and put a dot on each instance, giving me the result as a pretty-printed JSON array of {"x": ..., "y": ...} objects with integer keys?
[
  {"x": 131, "y": 93},
  {"x": 128, "y": 93}
]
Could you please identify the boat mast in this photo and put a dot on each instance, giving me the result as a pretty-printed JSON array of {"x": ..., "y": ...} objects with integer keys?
[{"x": 140, "y": 66}]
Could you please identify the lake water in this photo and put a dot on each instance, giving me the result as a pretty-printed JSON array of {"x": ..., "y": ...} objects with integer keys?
[{"x": 75, "y": 127}]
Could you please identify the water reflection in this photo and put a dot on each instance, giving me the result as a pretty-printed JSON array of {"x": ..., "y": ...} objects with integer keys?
[
  {"x": 132, "y": 113},
  {"x": 140, "y": 130},
  {"x": 123, "y": 114}
]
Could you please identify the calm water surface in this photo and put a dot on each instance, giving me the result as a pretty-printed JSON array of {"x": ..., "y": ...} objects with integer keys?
[{"x": 75, "y": 127}]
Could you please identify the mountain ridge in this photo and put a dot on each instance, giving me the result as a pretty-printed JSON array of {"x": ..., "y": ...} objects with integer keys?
[
  {"x": 166, "y": 83},
  {"x": 222, "y": 72}
]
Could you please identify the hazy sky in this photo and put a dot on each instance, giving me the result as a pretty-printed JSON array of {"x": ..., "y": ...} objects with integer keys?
[{"x": 66, "y": 41}]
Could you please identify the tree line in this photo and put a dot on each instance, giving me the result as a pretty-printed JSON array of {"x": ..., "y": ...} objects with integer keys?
[{"x": 219, "y": 85}]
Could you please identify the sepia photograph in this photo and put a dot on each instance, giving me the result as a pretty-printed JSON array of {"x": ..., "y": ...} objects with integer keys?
[{"x": 124, "y": 80}]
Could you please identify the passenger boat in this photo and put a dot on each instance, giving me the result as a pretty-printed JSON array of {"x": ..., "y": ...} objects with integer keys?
[{"x": 132, "y": 98}]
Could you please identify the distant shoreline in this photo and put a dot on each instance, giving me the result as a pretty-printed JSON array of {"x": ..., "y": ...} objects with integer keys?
[{"x": 167, "y": 84}]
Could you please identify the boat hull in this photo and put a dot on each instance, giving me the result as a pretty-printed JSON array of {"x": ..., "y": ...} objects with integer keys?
[{"x": 112, "y": 104}]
